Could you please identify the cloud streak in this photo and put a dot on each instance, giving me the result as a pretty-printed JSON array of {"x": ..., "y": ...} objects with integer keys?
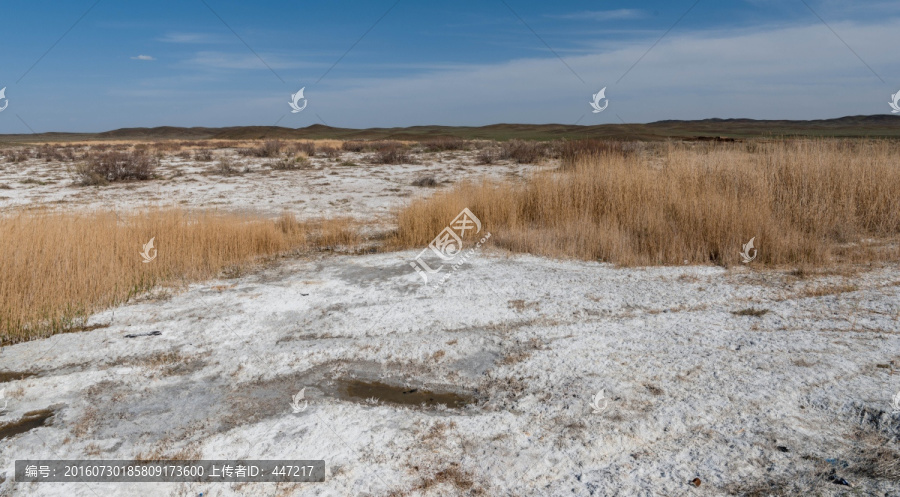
[{"x": 601, "y": 15}]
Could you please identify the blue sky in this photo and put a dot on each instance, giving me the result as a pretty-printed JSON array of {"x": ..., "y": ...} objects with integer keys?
[{"x": 229, "y": 63}]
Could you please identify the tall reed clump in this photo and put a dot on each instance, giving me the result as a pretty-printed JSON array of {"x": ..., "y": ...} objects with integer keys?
[
  {"x": 805, "y": 202},
  {"x": 58, "y": 267}
]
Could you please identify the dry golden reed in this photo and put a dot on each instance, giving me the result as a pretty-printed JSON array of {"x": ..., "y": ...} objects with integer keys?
[
  {"x": 805, "y": 201},
  {"x": 56, "y": 268}
]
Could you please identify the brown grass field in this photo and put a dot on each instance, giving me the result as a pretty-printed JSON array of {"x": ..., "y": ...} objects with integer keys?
[
  {"x": 806, "y": 203},
  {"x": 59, "y": 267}
]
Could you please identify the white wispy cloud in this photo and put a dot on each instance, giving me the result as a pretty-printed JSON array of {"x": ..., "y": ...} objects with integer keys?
[
  {"x": 143, "y": 57},
  {"x": 602, "y": 15},
  {"x": 189, "y": 38}
]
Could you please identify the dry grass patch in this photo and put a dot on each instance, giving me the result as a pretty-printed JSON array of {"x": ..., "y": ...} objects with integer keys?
[
  {"x": 751, "y": 311},
  {"x": 59, "y": 267},
  {"x": 822, "y": 291},
  {"x": 807, "y": 202}
]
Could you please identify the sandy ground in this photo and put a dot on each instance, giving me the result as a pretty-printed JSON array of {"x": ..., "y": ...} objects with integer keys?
[{"x": 794, "y": 400}]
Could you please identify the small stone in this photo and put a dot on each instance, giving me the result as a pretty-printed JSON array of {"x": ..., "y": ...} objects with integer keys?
[{"x": 696, "y": 482}]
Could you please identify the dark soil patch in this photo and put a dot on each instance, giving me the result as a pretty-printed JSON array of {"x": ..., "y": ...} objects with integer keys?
[
  {"x": 29, "y": 421},
  {"x": 13, "y": 375}
]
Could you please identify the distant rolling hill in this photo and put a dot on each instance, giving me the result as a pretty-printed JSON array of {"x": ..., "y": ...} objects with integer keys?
[{"x": 877, "y": 126}]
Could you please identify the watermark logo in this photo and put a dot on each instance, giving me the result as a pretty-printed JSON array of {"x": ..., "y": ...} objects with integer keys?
[
  {"x": 295, "y": 98},
  {"x": 595, "y": 404},
  {"x": 600, "y": 95},
  {"x": 895, "y": 98},
  {"x": 449, "y": 244},
  {"x": 5, "y": 100},
  {"x": 895, "y": 405},
  {"x": 295, "y": 405},
  {"x": 146, "y": 253},
  {"x": 745, "y": 254}
]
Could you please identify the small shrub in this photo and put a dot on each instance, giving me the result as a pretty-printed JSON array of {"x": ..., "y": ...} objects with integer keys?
[
  {"x": 523, "y": 152},
  {"x": 308, "y": 148},
  {"x": 49, "y": 154},
  {"x": 226, "y": 165},
  {"x": 487, "y": 156},
  {"x": 354, "y": 146},
  {"x": 330, "y": 152},
  {"x": 269, "y": 148},
  {"x": 101, "y": 168},
  {"x": 203, "y": 155},
  {"x": 288, "y": 163},
  {"x": 391, "y": 154},
  {"x": 17, "y": 156},
  {"x": 426, "y": 181}
]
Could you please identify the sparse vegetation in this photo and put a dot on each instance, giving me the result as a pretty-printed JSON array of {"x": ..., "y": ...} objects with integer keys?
[
  {"x": 289, "y": 162},
  {"x": 228, "y": 166}
]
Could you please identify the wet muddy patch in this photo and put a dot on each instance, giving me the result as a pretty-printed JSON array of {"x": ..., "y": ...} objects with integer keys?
[
  {"x": 370, "y": 383},
  {"x": 366, "y": 391},
  {"x": 30, "y": 421},
  {"x": 6, "y": 376}
]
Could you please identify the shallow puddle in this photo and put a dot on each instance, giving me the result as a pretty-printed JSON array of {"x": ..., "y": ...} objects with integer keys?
[
  {"x": 29, "y": 421},
  {"x": 364, "y": 390}
]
